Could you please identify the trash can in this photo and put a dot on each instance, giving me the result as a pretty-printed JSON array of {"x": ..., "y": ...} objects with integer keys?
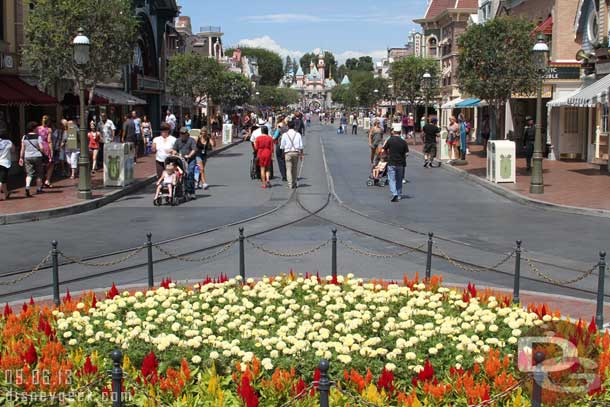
[
  {"x": 442, "y": 148},
  {"x": 501, "y": 161},
  {"x": 118, "y": 164},
  {"x": 227, "y": 133}
]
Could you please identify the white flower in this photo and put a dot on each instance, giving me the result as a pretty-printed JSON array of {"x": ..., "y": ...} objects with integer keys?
[
  {"x": 390, "y": 367},
  {"x": 196, "y": 359},
  {"x": 345, "y": 359}
]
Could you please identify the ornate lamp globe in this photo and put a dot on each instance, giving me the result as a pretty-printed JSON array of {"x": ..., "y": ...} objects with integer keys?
[{"x": 81, "y": 45}]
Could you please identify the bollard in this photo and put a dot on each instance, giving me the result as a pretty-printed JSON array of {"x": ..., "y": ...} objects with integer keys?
[
  {"x": 539, "y": 377},
  {"x": 334, "y": 254},
  {"x": 55, "y": 260},
  {"x": 324, "y": 383},
  {"x": 599, "y": 314},
  {"x": 242, "y": 254},
  {"x": 117, "y": 377},
  {"x": 429, "y": 257},
  {"x": 516, "y": 299},
  {"x": 149, "y": 247}
]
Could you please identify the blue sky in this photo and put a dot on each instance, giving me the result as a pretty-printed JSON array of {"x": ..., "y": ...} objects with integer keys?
[{"x": 348, "y": 28}]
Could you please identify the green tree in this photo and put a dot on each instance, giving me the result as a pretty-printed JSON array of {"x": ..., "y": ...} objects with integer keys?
[
  {"x": 365, "y": 64},
  {"x": 235, "y": 90},
  {"x": 287, "y": 65},
  {"x": 361, "y": 91},
  {"x": 407, "y": 78},
  {"x": 191, "y": 76},
  {"x": 295, "y": 65},
  {"x": 270, "y": 65},
  {"x": 344, "y": 95},
  {"x": 330, "y": 62},
  {"x": 273, "y": 96},
  {"x": 495, "y": 61},
  {"x": 110, "y": 25}
]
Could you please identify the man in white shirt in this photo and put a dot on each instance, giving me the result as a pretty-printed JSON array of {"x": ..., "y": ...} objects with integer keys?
[
  {"x": 292, "y": 145},
  {"x": 162, "y": 146},
  {"x": 170, "y": 119}
]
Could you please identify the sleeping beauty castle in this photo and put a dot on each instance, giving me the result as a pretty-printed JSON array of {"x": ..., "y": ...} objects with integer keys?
[{"x": 315, "y": 88}]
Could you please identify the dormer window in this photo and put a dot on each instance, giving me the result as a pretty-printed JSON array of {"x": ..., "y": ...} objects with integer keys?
[{"x": 593, "y": 27}]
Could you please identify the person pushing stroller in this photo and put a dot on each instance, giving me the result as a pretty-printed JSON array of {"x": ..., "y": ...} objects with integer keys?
[{"x": 186, "y": 147}]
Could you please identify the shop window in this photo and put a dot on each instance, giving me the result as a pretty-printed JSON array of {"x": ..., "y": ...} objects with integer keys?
[
  {"x": 570, "y": 120},
  {"x": 604, "y": 123}
]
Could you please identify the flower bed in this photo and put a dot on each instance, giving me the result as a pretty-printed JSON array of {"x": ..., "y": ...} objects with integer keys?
[{"x": 226, "y": 343}]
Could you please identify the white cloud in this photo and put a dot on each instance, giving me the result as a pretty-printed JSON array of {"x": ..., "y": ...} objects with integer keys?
[
  {"x": 269, "y": 43},
  {"x": 376, "y": 55}
]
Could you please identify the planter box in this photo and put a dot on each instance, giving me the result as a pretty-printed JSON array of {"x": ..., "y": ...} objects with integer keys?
[{"x": 601, "y": 53}]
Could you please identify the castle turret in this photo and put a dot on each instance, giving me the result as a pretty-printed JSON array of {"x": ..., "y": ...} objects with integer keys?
[{"x": 321, "y": 66}]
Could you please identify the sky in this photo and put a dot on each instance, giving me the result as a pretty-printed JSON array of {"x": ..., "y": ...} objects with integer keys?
[{"x": 348, "y": 28}]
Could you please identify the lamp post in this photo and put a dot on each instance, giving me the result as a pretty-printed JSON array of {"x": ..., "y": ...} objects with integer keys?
[
  {"x": 427, "y": 84},
  {"x": 541, "y": 51},
  {"x": 81, "y": 46},
  {"x": 390, "y": 92}
]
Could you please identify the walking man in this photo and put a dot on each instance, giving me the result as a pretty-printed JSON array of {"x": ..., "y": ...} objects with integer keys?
[
  {"x": 170, "y": 119},
  {"x": 396, "y": 149},
  {"x": 292, "y": 145},
  {"x": 529, "y": 138},
  {"x": 354, "y": 119},
  {"x": 431, "y": 132},
  {"x": 186, "y": 147}
]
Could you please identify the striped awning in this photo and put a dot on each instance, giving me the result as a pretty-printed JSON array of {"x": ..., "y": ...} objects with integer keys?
[
  {"x": 591, "y": 95},
  {"x": 468, "y": 103},
  {"x": 451, "y": 104},
  {"x": 562, "y": 101}
]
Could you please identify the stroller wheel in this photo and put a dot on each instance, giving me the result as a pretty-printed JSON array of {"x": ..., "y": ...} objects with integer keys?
[
  {"x": 175, "y": 201},
  {"x": 370, "y": 183},
  {"x": 157, "y": 202},
  {"x": 382, "y": 183}
]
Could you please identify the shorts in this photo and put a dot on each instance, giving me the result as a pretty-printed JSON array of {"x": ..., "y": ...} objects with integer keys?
[
  {"x": 201, "y": 159},
  {"x": 410, "y": 129},
  {"x": 72, "y": 158},
  {"x": 33, "y": 166},
  {"x": 430, "y": 148},
  {"x": 3, "y": 174}
]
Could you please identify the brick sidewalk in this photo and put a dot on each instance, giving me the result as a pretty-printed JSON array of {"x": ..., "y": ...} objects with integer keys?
[
  {"x": 64, "y": 191},
  {"x": 577, "y": 184}
]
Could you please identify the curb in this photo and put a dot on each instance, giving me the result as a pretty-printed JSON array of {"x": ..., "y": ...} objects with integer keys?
[
  {"x": 34, "y": 216},
  {"x": 519, "y": 198}
]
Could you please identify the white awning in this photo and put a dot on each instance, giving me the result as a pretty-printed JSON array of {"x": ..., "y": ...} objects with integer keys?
[
  {"x": 118, "y": 97},
  {"x": 591, "y": 95},
  {"x": 451, "y": 104},
  {"x": 562, "y": 101}
]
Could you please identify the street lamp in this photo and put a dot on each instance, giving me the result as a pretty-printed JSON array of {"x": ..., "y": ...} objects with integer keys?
[
  {"x": 427, "y": 84},
  {"x": 81, "y": 45},
  {"x": 390, "y": 90},
  {"x": 540, "y": 53}
]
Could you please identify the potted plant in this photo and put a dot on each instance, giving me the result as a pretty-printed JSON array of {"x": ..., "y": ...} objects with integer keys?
[{"x": 601, "y": 48}]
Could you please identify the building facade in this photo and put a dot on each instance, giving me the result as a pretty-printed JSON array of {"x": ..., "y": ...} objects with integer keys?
[{"x": 315, "y": 88}]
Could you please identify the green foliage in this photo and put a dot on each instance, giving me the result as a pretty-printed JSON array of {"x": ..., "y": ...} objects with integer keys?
[
  {"x": 270, "y": 65},
  {"x": 407, "y": 78},
  {"x": 273, "y": 96},
  {"x": 236, "y": 90},
  {"x": 360, "y": 64},
  {"x": 361, "y": 91},
  {"x": 51, "y": 26},
  {"x": 287, "y": 65},
  {"x": 193, "y": 75},
  {"x": 496, "y": 61},
  {"x": 330, "y": 62}
]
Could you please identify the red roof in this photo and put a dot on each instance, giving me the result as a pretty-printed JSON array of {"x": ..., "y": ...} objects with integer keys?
[
  {"x": 546, "y": 27},
  {"x": 14, "y": 91},
  {"x": 436, "y": 7}
]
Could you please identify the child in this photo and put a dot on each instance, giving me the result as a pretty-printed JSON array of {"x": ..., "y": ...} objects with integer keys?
[
  {"x": 167, "y": 179},
  {"x": 381, "y": 165}
]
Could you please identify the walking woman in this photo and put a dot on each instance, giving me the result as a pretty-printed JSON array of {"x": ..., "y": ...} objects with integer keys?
[
  {"x": 31, "y": 157},
  {"x": 188, "y": 122},
  {"x": 6, "y": 149},
  {"x": 282, "y": 127},
  {"x": 205, "y": 144},
  {"x": 453, "y": 138},
  {"x": 46, "y": 139},
  {"x": 264, "y": 152},
  {"x": 94, "y": 144},
  {"x": 375, "y": 138},
  {"x": 147, "y": 133}
]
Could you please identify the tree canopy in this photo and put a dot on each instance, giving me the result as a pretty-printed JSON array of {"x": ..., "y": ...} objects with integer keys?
[
  {"x": 273, "y": 96},
  {"x": 235, "y": 90},
  {"x": 364, "y": 63},
  {"x": 110, "y": 25},
  {"x": 361, "y": 90},
  {"x": 193, "y": 75},
  {"x": 330, "y": 62},
  {"x": 407, "y": 78},
  {"x": 270, "y": 65}
]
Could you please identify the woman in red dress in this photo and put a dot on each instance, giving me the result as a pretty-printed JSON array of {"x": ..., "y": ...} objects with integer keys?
[{"x": 264, "y": 152}]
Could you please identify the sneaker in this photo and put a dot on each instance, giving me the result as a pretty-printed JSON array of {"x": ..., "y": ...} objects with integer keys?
[
  {"x": 394, "y": 198},
  {"x": 404, "y": 181},
  {"x": 205, "y": 186},
  {"x": 27, "y": 192},
  {"x": 426, "y": 164}
]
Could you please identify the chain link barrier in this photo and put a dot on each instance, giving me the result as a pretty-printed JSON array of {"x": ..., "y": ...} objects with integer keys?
[
  {"x": 287, "y": 254},
  {"x": 544, "y": 276},
  {"x": 102, "y": 264},
  {"x": 298, "y": 396},
  {"x": 204, "y": 259},
  {"x": 460, "y": 265},
  {"x": 502, "y": 395},
  {"x": 380, "y": 255},
  {"x": 35, "y": 270}
]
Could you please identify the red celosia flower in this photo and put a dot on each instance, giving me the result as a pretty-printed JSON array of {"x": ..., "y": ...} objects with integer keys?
[
  {"x": 247, "y": 393},
  {"x": 31, "y": 300},
  {"x": 298, "y": 388},
  {"x": 68, "y": 297},
  {"x": 386, "y": 381},
  {"x": 24, "y": 307},
  {"x": 149, "y": 368},
  {"x": 113, "y": 292},
  {"x": 425, "y": 375},
  {"x": 166, "y": 282},
  {"x": 93, "y": 301},
  {"x": 31, "y": 357},
  {"x": 7, "y": 310},
  {"x": 592, "y": 326}
]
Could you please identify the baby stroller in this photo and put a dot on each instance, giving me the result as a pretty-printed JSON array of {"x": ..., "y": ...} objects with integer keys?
[
  {"x": 179, "y": 194},
  {"x": 381, "y": 180}
]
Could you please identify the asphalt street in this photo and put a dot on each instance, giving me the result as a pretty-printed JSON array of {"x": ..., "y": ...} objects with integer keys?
[{"x": 473, "y": 224}]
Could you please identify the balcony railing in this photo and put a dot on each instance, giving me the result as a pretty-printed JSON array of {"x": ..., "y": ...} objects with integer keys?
[{"x": 210, "y": 29}]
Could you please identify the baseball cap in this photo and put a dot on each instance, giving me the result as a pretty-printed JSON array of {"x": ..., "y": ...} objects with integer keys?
[{"x": 396, "y": 127}]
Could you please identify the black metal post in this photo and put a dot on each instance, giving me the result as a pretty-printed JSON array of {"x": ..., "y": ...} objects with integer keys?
[
  {"x": 429, "y": 257},
  {"x": 516, "y": 299},
  {"x": 599, "y": 314},
  {"x": 334, "y": 254},
  {"x": 539, "y": 377},
  {"x": 151, "y": 273},
  {"x": 242, "y": 254},
  {"x": 55, "y": 260},
  {"x": 117, "y": 377},
  {"x": 324, "y": 383}
]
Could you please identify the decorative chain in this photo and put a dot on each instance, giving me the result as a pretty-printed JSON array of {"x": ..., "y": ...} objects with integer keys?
[
  {"x": 357, "y": 398},
  {"x": 196, "y": 260},
  {"x": 293, "y": 254},
  {"x": 552, "y": 280},
  {"x": 298, "y": 396},
  {"x": 380, "y": 255},
  {"x": 502, "y": 395},
  {"x": 458, "y": 264},
  {"x": 103, "y": 264},
  {"x": 35, "y": 270}
]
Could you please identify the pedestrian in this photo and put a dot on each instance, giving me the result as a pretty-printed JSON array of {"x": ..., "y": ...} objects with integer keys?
[
  {"x": 32, "y": 158},
  {"x": 292, "y": 145},
  {"x": 139, "y": 143},
  {"x": 94, "y": 145},
  {"x": 375, "y": 138},
  {"x": 343, "y": 122},
  {"x": 59, "y": 138},
  {"x": 299, "y": 125},
  {"x": 453, "y": 137},
  {"x": 188, "y": 122},
  {"x": 186, "y": 147},
  {"x": 162, "y": 146},
  {"x": 282, "y": 127},
  {"x": 529, "y": 138},
  {"x": 72, "y": 148},
  {"x": 205, "y": 144},
  {"x": 264, "y": 152},
  {"x": 46, "y": 139},
  {"x": 170, "y": 119},
  {"x": 485, "y": 132},
  {"x": 396, "y": 149},
  {"x": 7, "y": 148},
  {"x": 354, "y": 124},
  {"x": 431, "y": 132},
  {"x": 463, "y": 136},
  {"x": 147, "y": 134}
]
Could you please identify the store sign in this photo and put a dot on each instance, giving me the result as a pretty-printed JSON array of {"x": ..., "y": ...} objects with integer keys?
[
  {"x": 562, "y": 73},
  {"x": 547, "y": 93}
]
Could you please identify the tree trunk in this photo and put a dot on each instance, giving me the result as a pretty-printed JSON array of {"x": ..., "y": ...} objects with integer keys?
[{"x": 494, "y": 109}]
